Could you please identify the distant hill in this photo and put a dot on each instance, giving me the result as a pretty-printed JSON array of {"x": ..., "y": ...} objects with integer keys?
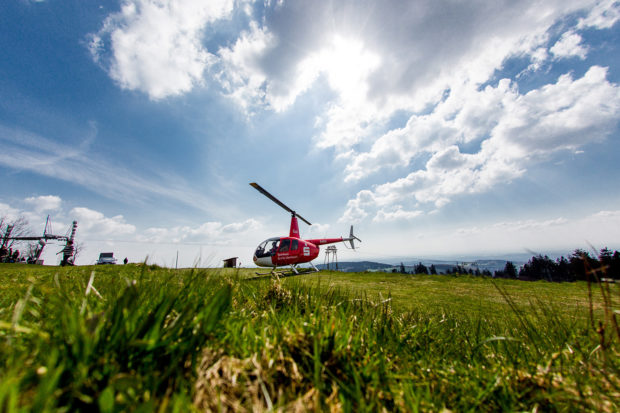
[
  {"x": 359, "y": 266},
  {"x": 440, "y": 266}
]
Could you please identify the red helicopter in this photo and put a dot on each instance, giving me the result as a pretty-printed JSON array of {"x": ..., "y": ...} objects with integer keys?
[{"x": 291, "y": 251}]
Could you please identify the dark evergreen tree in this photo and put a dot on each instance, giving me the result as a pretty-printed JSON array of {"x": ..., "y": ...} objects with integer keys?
[
  {"x": 614, "y": 269},
  {"x": 510, "y": 271},
  {"x": 562, "y": 270},
  {"x": 538, "y": 268},
  {"x": 604, "y": 258},
  {"x": 459, "y": 270},
  {"x": 582, "y": 265},
  {"x": 402, "y": 268},
  {"x": 433, "y": 270},
  {"x": 420, "y": 269},
  {"x": 609, "y": 264}
]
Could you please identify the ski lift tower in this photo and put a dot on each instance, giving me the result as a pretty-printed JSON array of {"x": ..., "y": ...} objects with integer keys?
[{"x": 331, "y": 253}]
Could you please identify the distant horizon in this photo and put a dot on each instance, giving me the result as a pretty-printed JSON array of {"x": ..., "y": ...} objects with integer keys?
[{"x": 411, "y": 260}]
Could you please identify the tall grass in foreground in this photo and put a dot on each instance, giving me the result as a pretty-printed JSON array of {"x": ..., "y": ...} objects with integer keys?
[
  {"x": 134, "y": 342},
  {"x": 150, "y": 339}
]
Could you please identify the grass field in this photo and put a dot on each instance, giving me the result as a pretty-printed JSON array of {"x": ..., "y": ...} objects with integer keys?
[{"x": 143, "y": 338}]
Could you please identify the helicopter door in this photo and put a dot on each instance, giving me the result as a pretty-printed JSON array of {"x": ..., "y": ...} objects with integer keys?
[
  {"x": 284, "y": 245},
  {"x": 295, "y": 248},
  {"x": 285, "y": 255}
]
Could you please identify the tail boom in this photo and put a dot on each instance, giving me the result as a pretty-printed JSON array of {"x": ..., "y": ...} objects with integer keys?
[{"x": 325, "y": 241}]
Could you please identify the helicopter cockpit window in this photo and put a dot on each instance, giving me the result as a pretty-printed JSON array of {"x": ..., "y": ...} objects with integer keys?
[
  {"x": 267, "y": 248},
  {"x": 285, "y": 245},
  {"x": 294, "y": 245}
]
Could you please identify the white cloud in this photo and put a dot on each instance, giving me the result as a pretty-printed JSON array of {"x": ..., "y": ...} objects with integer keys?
[
  {"x": 407, "y": 59},
  {"x": 538, "y": 58},
  {"x": 240, "y": 73},
  {"x": 8, "y": 212},
  {"x": 569, "y": 45},
  {"x": 157, "y": 45},
  {"x": 317, "y": 230},
  {"x": 396, "y": 215},
  {"x": 529, "y": 224},
  {"x": 399, "y": 61},
  {"x": 375, "y": 59},
  {"x": 565, "y": 115},
  {"x": 615, "y": 215},
  {"x": 513, "y": 131},
  {"x": 356, "y": 208},
  {"x": 208, "y": 233},
  {"x": 602, "y": 16},
  {"x": 345, "y": 63},
  {"x": 94, "y": 223},
  {"x": 44, "y": 203}
]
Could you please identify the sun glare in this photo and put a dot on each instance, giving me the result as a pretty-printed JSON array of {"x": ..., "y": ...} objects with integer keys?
[{"x": 346, "y": 63}]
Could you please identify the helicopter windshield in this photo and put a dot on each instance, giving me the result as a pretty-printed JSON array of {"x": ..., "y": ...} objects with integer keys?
[{"x": 267, "y": 248}]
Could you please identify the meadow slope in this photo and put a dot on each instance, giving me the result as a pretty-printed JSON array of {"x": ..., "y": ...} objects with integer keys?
[{"x": 144, "y": 338}]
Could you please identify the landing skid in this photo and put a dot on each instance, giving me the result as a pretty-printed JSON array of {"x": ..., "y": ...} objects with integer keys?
[
  {"x": 277, "y": 274},
  {"x": 293, "y": 271}
]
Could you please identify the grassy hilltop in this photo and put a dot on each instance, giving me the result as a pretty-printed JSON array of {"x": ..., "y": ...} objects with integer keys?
[{"x": 143, "y": 338}]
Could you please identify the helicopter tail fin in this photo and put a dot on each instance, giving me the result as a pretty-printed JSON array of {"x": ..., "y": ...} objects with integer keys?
[{"x": 352, "y": 238}]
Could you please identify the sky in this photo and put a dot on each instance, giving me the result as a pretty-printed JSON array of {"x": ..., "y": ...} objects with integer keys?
[{"x": 436, "y": 128}]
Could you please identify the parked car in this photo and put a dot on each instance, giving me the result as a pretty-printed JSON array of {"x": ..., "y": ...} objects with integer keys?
[{"x": 106, "y": 258}]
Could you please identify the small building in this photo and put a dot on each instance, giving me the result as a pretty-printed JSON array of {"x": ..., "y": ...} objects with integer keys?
[{"x": 230, "y": 262}]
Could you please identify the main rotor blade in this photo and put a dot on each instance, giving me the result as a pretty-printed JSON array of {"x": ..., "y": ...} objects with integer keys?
[{"x": 277, "y": 201}]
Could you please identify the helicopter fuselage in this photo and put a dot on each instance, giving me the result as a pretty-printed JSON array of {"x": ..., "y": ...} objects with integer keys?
[{"x": 281, "y": 251}]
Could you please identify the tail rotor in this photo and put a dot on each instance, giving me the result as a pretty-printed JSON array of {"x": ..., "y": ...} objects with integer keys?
[{"x": 352, "y": 238}]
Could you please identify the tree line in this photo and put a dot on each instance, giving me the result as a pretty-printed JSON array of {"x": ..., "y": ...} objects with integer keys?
[
  {"x": 432, "y": 270},
  {"x": 579, "y": 266}
]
